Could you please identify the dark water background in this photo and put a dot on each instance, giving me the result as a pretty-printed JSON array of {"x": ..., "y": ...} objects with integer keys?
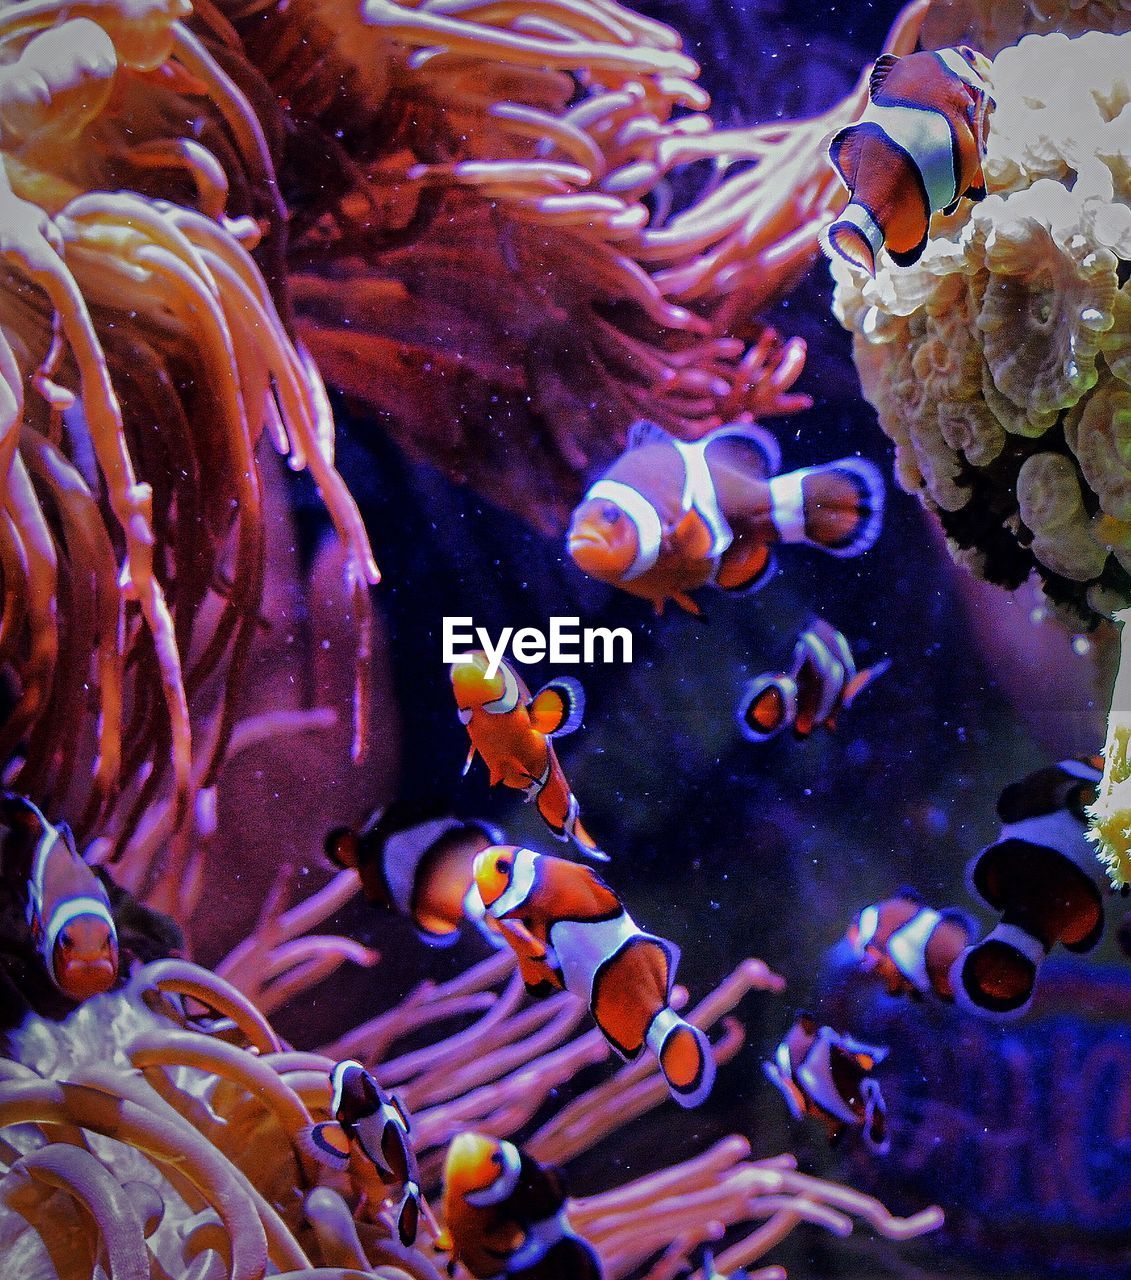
[{"x": 1021, "y": 1133}]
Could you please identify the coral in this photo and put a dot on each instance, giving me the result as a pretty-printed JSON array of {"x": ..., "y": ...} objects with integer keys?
[
  {"x": 990, "y": 25},
  {"x": 167, "y": 1140},
  {"x": 133, "y": 556},
  {"x": 548, "y": 148},
  {"x": 996, "y": 362}
]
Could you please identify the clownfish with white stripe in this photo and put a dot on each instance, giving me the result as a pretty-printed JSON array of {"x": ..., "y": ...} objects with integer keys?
[
  {"x": 68, "y": 910},
  {"x": 918, "y": 148},
  {"x": 514, "y": 733},
  {"x": 571, "y": 932},
  {"x": 1041, "y": 875},
  {"x": 671, "y": 516},
  {"x": 822, "y": 681},
  {"x": 824, "y": 1074},
  {"x": 423, "y": 871},
  {"x": 369, "y": 1120},
  {"x": 909, "y": 946},
  {"x": 505, "y": 1215}
]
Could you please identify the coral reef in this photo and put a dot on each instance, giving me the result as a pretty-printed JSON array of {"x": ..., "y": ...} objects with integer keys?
[
  {"x": 165, "y": 1140},
  {"x": 143, "y": 359},
  {"x": 997, "y": 364}
]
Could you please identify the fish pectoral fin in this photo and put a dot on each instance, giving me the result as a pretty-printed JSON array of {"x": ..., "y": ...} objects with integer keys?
[
  {"x": 469, "y": 761},
  {"x": 745, "y": 566},
  {"x": 862, "y": 679},
  {"x": 523, "y": 942},
  {"x": 692, "y": 536},
  {"x": 558, "y": 707},
  {"x": 326, "y": 1143},
  {"x": 880, "y": 72}
]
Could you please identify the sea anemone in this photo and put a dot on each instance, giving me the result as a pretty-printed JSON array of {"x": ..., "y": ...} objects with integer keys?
[
  {"x": 142, "y": 359},
  {"x": 547, "y": 148},
  {"x": 157, "y": 1128}
]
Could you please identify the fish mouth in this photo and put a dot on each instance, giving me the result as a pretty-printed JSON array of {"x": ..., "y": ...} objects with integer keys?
[{"x": 87, "y": 978}]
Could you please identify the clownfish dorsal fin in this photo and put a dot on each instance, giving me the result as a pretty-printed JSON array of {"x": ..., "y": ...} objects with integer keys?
[
  {"x": 327, "y": 1143},
  {"x": 558, "y": 708},
  {"x": 880, "y": 73},
  {"x": 644, "y": 432}
]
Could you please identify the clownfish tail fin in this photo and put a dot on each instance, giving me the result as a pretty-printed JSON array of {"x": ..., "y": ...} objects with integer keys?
[
  {"x": 837, "y": 508},
  {"x": 996, "y": 977},
  {"x": 768, "y": 704},
  {"x": 408, "y": 1216},
  {"x": 845, "y": 239},
  {"x": 685, "y": 1057}
]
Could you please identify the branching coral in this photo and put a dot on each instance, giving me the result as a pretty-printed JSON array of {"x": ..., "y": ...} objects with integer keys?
[
  {"x": 168, "y": 1144},
  {"x": 143, "y": 358},
  {"x": 544, "y": 147}
]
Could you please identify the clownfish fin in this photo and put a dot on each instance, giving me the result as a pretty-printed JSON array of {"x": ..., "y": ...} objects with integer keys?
[
  {"x": 837, "y": 508},
  {"x": 685, "y": 1057},
  {"x": 744, "y": 567},
  {"x": 844, "y": 153},
  {"x": 408, "y": 1215},
  {"x": 880, "y": 72},
  {"x": 585, "y": 842},
  {"x": 469, "y": 761},
  {"x": 977, "y": 188},
  {"x": 327, "y": 1143},
  {"x": 688, "y": 605},
  {"x": 908, "y": 257},
  {"x": 759, "y": 442},
  {"x": 862, "y": 679},
  {"x": 844, "y": 239},
  {"x": 692, "y": 537},
  {"x": 950, "y": 208},
  {"x": 768, "y": 704},
  {"x": 997, "y": 976},
  {"x": 644, "y": 432},
  {"x": 558, "y": 708},
  {"x": 343, "y": 848}
]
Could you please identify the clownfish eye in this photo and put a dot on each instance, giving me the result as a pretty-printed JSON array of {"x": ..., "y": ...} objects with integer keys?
[
  {"x": 502, "y": 866},
  {"x": 610, "y": 513}
]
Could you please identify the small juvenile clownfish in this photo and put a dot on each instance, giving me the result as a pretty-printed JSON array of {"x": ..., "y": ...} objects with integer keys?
[
  {"x": 821, "y": 683},
  {"x": 910, "y": 946},
  {"x": 513, "y": 733},
  {"x": 505, "y": 1215},
  {"x": 671, "y": 516},
  {"x": 917, "y": 148},
  {"x": 375, "y": 1123},
  {"x": 1039, "y": 875},
  {"x": 68, "y": 910},
  {"x": 827, "y": 1075},
  {"x": 571, "y": 932},
  {"x": 422, "y": 871}
]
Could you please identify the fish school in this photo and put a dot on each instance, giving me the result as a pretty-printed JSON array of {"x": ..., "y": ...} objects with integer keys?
[{"x": 567, "y": 643}]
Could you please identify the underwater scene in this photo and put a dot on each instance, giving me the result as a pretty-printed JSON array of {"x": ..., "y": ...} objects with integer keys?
[{"x": 564, "y": 569}]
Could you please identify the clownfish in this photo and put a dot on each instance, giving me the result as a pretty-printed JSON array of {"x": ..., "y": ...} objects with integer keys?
[
  {"x": 505, "y": 1214},
  {"x": 513, "y": 733},
  {"x": 827, "y": 1075},
  {"x": 68, "y": 910},
  {"x": 423, "y": 872},
  {"x": 1039, "y": 874},
  {"x": 670, "y": 516},
  {"x": 917, "y": 148},
  {"x": 571, "y": 932},
  {"x": 374, "y": 1122},
  {"x": 822, "y": 681},
  {"x": 910, "y": 946}
]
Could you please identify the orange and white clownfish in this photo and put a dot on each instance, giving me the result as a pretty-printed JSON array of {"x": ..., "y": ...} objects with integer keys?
[
  {"x": 368, "y": 1119},
  {"x": 514, "y": 733},
  {"x": 570, "y": 931},
  {"x": 505, "y": 1214},
  {"x": 423, "y": 872},
  {"x": 910, "y": 946},
  {"x": 1040, "y": 875},
  {"x": 822, "y": 681},
  {"x": 68, "y": 910},
  {"x": 827, "y": 1075},
  {"x": 917, "y": 148},
  {"x": 670, "y": 516}
]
